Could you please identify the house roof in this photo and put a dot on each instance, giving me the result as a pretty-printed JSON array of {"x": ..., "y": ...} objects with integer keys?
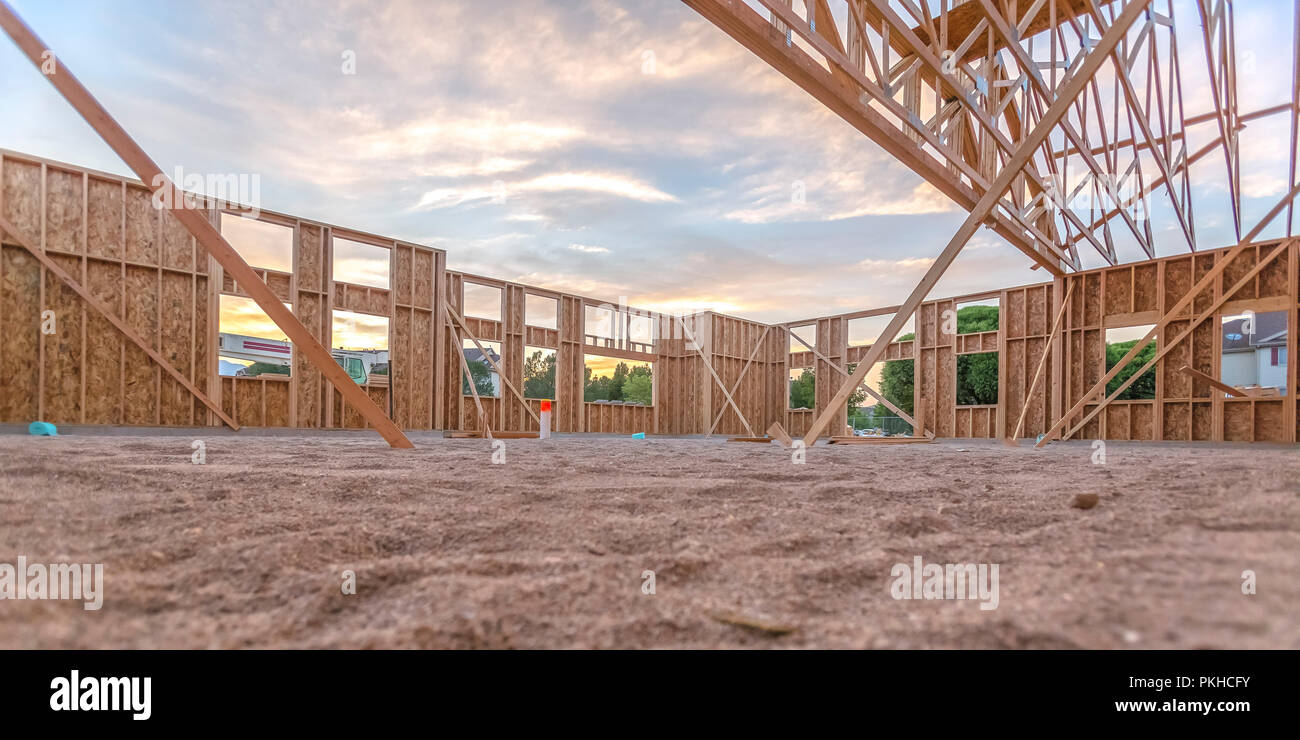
[
  {"x": 473, "y": 354},
  {"x": 1270, "y": 330}
]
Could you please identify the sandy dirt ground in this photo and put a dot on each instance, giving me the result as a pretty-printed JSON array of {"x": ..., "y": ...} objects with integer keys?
[{"x": 549, "y": 549}]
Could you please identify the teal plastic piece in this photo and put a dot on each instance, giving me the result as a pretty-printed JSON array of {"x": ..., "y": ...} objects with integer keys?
[
  {"x": 639, "y": 435},
  {"x": 42, "y": 429}
]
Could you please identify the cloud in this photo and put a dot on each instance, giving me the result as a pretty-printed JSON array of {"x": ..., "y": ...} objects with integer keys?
[
  {"x": 588, "y": 182},
  {"x": 594, "y": 182},
  {"x": 521, "y": 140},
  {"x": 911, "y": 264},
  {"x": 588, "y": 249}
]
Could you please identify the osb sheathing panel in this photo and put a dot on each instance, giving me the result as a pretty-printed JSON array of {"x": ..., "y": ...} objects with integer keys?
[
  {"x": 1142, "y": 416},
  {"x": 1204, "y": 340},
  {"x": 469, "y": 421},
  {"x": 177, "y": 342},
  {"x": 203, "y": 359},
  {"x": 1091, "y": 430},
  {"x": 1092, "y": 299},
  {"x": 103, "y": 365},
  {"x": 1238, "y": 420},
  {"x": 1015, "y": 314},
  {"x": 1273, "y": 280},
  {"x": 249, "y": 395},
  {"x": 277, "y": 404},
  {"x": 1177, "y": 420},
  {"x": 1270, "y": 425},
  {"x": 1146, "y": 294},
  {"x": 402, "y": 274},
  {"x": 141, "y": 227},
  {"x": 177, "y": 244},
  {"x": 1177, "y": 384},
  {"x": 104, "y": 212},
  {"x": 311, "y": 259},
  {"x": 62, "y": 392},
  {"x": 424, "y": 265},
  {"x": 1119, "y": 294},
  {"x": 400, "y": 372},
  {"x": 63, "y": 211},
  {"x": 419, "y": 384},
  {"x": 1203, "y": 264},
  {"x": 1117, "y": 418},
  {"x": 976, "y": 422},
  {"x": 310, "y": 311},
  {"x": 1202, "y": 421},
  {"x": 22, "y": 196},
  {"x": 1236, "y": 270},
  {"x": 1094, "y": 346},
  {"x": 141, "y": 374},
  {"x": 1178, "y": 280}
]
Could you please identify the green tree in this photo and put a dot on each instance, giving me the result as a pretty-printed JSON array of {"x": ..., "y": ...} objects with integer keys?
[
  {"x": 594, "y": 389},
  {"x": 539, "y": 375},
  {"x": 977, "y": 379},
  {"x": 482, "y": 373},
  {"x": 975, "y": 319},
  {"x": 896, "y": 382},
  {"x": 977, "y": 375},
  {"x": 1142, "y": 388},
  {"x": 266, "y": 368},
  {"x": 616, "y": 382},
  {"x": 859, "y": 394},
  {"x": 639, "y": 387},
  {"x": 803, "y": 391}
]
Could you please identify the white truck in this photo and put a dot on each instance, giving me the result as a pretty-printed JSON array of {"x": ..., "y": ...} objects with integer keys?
[{"x": 358, "y": 363}]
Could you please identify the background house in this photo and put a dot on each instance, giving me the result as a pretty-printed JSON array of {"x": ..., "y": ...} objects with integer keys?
[{"x": 1254, "y": 351}]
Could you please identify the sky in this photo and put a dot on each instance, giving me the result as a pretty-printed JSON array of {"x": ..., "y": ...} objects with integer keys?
[{"x": 610, "y": 148}]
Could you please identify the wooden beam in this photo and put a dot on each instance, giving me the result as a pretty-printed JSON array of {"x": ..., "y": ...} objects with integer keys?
[
  {"x": 879, "y": 440},
  {"x": 777, "y": 432},
  {"x": 469, "y": 380},
  {"x": 1230, "y": 390},
  {"x": 963, "y": 161},
  {"x": 1042, "y": 363},
  {"x": 1010, "y": 171},
  {"x": 102, "y": 310},
  {"x": 196, "y": 222},
  {"x": 756, "y": 33}
]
